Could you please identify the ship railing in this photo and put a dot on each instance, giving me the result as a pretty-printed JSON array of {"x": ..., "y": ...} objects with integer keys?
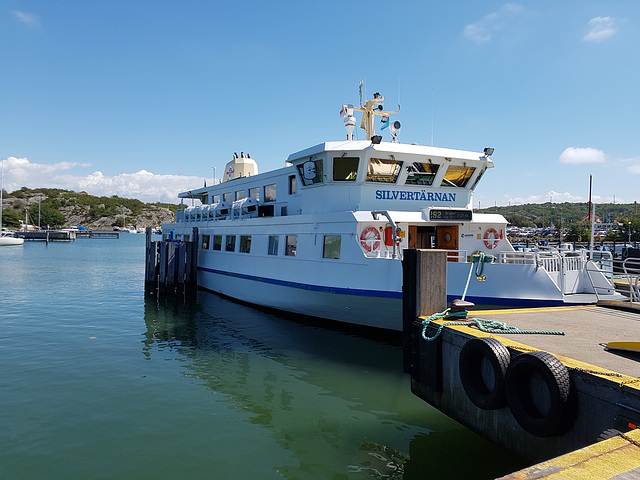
[
  {"x": 631, "y": 269},
  {"x": 457, "y": 256},
  {"x": 518, "y": 258}
]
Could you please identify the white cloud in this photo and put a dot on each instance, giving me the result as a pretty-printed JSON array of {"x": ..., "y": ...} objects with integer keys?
[
  {"x": 143, "y": 185},
  {"x": 600, "y": 28},
  {"x": 482, "y": 30},
  {"x": 577, "y": 156},
  {"x": 27, "y": 18},
  {"x": 634, "y": 166}
]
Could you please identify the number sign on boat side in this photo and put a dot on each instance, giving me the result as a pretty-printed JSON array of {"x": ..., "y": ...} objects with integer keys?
[{"x": 451, "y": 215}]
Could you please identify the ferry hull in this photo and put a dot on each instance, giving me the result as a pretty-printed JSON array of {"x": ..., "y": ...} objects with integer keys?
[
  {"x": 370, "y": 308},
  {"x": 383, "y": 308}
]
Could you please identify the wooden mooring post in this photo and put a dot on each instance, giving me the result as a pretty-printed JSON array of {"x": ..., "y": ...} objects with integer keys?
[{"x": 171, "y": 266}]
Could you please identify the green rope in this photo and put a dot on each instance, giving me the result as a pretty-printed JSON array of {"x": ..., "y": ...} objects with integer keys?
[
  {"x": 487, "y": 326},
  {"x": 478, "y": 262}
]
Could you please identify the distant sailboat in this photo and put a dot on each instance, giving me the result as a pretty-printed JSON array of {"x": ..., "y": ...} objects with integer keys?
[{"x": 6, "y": 238}]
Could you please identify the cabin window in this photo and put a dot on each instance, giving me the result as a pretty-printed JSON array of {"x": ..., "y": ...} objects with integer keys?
[
  {"x": 457, "y": 176},
  {"x": 240, "y": 194},
  {"x": 255, "y": 193},
  {"x": 217, "y": 242},
  {"x": 226, "y": 197},
  {"x": 205, "y": 242},
  {"x": 331, "y": 247},
  {"x": 383, "y": 170},
  {"x": 273, "y": 245},
  {"x": 292, "y": 184},
  {"x": 185, "y": 238},
  {"x": 292, "y": 244},
  {"x": 245, "y": 243},
  {"x": 311, "y": 172},
  {"x": 478, "y": 178},
  {"x": 419, "y": 173},
  {"x": 270, "y": 193},
  {"x": 216, "y": 199},
  {"x": 230, "y": 246},
  {"x": 345, "y": 169}
]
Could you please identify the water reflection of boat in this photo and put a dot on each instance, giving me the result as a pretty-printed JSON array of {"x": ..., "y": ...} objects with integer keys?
[{"x": 323, "y": 396}]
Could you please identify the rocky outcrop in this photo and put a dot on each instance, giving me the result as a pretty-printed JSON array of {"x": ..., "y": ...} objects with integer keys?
[{"x": 149, "y": 215}]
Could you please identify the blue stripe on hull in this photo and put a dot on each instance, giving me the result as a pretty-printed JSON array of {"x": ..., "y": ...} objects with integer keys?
[
  {"x": 306, "y": 286},
  {"x": 521, "y": 302}
]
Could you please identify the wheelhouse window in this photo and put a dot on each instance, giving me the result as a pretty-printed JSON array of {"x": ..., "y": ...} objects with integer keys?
[
  {"x": 457, "y": 176},
  {"x": 331, "y": 246},
  {"x": 245, "y": 243},
  {"x": 254, "y": 193},
  {"x": 226, "y": 197},
  {"x": 292, "y": 245},
  {"x": 383, "y": 170},
  {"x": 345, "y": 169},
  {"x": 216, "y": 199},
  {"x": 240, "y": 194},
  {"x": 292, "y": 184},
  {"x": 273, "y": 245},
  {"x": 217, "y": 242},
  {"x": 311, "y": 172},
  {"x": 419, "y": 173},
  {"x": 205, "y": 242},
  {"x": 270, "y": 193},
  {"x": 230, "y": 246}
]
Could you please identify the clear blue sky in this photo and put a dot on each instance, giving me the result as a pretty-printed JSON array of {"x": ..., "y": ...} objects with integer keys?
[{"x": 142, "y": 98}]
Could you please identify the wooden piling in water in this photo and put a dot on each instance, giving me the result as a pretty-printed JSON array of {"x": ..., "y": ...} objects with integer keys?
[
  {"x": 170, "y": 266},
  {"x": 424, "y": 292}
]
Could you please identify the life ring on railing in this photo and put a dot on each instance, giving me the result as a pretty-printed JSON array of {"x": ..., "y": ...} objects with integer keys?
[
  {"x": 491, "y": 238},
  {"x": 483, "y": 365},
  {"x": 370, "y": 239},
  {"x": 537, "y": 390}
]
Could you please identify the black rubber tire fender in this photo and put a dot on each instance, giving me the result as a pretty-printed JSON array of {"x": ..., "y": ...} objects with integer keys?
[
  {"x": 537, "y": 390},
  {"x": 483, "y": 364}
]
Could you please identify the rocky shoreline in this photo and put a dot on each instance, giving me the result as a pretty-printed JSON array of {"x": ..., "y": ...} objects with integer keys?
[{"x": 85, "y": 210}]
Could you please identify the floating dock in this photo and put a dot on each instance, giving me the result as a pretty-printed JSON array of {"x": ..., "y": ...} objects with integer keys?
[
  {"x": 534, "y": 391},
  {"x": 49, "y": 235},
  {"x": 65, "y": 235}
]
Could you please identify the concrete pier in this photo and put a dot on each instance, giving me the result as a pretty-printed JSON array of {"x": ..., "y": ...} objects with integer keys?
[{"x": 538, "y": 395}]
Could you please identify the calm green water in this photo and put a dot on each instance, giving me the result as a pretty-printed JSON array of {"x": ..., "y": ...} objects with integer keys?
[{"x": 97, "y": 382}]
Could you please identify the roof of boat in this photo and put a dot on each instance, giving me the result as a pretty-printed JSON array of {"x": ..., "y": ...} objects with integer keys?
[{"x": 388, "y": 147}]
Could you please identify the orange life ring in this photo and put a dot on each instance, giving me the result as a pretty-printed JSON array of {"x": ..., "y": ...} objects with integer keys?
[
  {"x": 491, "y": 238},
  {"x": 370, "y": 239}
]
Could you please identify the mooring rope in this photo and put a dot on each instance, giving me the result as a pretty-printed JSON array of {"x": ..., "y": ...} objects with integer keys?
[{"x": 487, "y": 326}]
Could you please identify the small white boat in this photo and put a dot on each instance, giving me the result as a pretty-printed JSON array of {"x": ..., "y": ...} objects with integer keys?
[
  {"x": 7, "y": 239},
  {"x": 324, "y": 235}
]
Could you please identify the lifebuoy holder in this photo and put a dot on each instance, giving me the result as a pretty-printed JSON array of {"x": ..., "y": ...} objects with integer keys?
[
  {"x": 370, "y": 239},
  {"x": 491, "y": 238}
]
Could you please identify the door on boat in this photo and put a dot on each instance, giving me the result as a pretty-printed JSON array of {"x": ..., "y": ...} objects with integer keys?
[
  {"x": 447, "y": 239},
  {"x": 422, "y": 237}
]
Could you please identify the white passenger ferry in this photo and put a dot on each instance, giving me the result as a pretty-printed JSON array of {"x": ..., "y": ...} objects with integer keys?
[{"x": 324, "y": 235}]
